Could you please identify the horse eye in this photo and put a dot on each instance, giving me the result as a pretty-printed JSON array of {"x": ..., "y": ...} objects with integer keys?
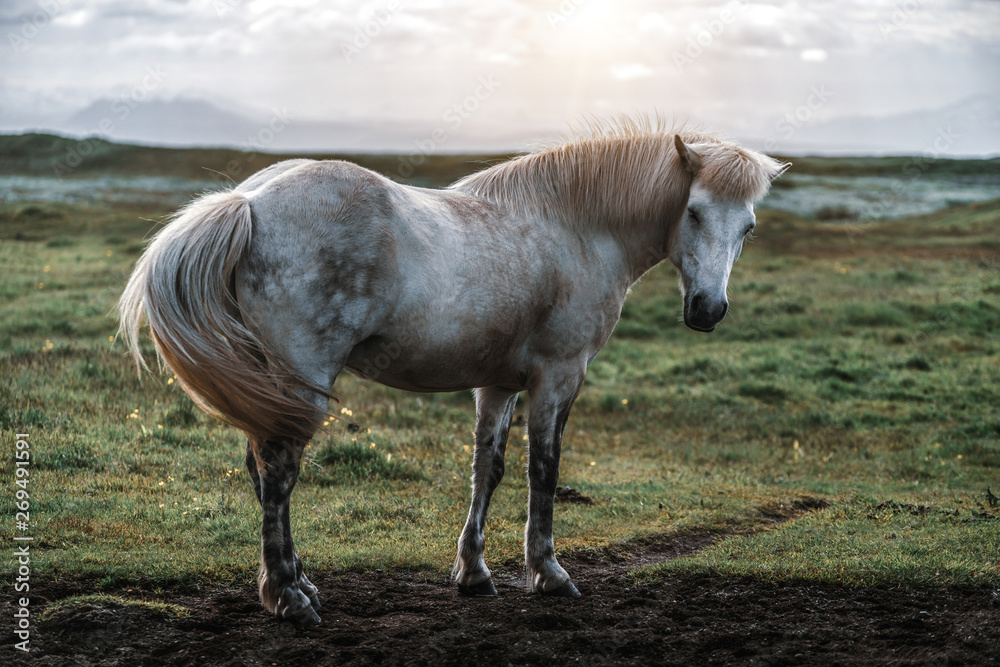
[
  {"x": 749, "y": 231},
  {"x": 694, "y": 216}
]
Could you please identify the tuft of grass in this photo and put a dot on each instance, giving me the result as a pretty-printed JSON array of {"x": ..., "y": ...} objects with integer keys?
[
  {"x": 183, "y": 415},
  {"x": 766, "y": 393},
  {"x": 64, "y": 610},
  {"x": 874, "y": 315},
  {"x": 344, "y": 463},
  {"x": 12, "y": 418},
  {"x": 37, "y": 213},
  {"x": 75, "y": 456},
  {"x": 611, "y": 402},
  {"x": 917, "y": 364},
  {"x": 61, "y": 242}
]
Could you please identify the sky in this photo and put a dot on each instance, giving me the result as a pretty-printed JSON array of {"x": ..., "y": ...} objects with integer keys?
[{"x": 513, "y": 69}]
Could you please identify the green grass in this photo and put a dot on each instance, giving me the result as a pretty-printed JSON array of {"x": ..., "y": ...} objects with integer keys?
[
  {"x": 862, "y": 542},
  {"x": 859, "y": 365}
]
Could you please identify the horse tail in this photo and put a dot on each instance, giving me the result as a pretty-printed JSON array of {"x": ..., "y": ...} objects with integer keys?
[{"x": 184, "y": 285}]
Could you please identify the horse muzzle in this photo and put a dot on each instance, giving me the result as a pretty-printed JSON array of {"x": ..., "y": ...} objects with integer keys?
[{"x": 702, "y": 313}]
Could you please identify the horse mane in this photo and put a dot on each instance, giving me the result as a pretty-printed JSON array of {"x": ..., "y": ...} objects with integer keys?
[{"x": 609, "y": 169}]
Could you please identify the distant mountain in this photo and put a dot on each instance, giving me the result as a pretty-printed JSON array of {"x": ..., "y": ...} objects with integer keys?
[
  {"x": 174, "y": 122},
  {"x": 190, "y": 122},
  {"x": 969, "y": 128}
]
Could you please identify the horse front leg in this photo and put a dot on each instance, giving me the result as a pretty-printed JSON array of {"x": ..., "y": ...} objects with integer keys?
[
  {"x": 494, "y": 410},
  {"x": 284, "y": 589},
  {"x": 549, "y": 407}
]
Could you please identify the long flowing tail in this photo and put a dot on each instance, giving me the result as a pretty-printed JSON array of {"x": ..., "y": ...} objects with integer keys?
[{"x": 183, "y": 284}]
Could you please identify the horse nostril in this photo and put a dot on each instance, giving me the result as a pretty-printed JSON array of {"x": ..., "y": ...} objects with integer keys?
[
  {"x": 695, "y": 304},
  {"x": 725, "y": 309}
]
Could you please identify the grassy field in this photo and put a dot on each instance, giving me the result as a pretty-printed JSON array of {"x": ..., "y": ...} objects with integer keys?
[{"x": 860, "y": 365}]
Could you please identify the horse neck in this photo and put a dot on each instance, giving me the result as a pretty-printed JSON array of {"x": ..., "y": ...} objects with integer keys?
[
  {"x": 634, "y": 192},
  {"x": 646, "y": 245},
  {"x": 644, "y": 251},
  {"x": 643, "y": 229},
  {"x": 638, "y": 199}
]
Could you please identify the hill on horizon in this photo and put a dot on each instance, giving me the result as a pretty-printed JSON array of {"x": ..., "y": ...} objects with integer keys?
[{"x": 969, "y": 128}]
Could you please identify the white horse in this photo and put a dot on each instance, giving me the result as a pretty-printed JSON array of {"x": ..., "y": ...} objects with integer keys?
[{"x": 511, "y": 279}]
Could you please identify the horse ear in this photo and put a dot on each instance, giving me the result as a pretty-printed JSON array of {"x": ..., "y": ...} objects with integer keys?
[{"x": 689, "y": 159}]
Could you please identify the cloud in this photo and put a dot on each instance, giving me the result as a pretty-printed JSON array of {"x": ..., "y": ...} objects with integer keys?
[{"x": 747, "y": 62}]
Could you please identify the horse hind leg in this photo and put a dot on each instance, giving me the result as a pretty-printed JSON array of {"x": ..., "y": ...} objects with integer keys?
[
  {"x": 494, "y": 408},
  {"x": 284, "y": 589},
  {"x": 276, "y": 538},
  {"x": 283, "y": 586},
  {"x": 314, "y": 341}
]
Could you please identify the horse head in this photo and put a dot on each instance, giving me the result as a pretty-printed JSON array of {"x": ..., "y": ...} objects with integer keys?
[{"x": 709, "y": 237}]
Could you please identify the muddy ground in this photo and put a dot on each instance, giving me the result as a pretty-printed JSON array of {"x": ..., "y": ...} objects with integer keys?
[{"x": 410, "y": 619}]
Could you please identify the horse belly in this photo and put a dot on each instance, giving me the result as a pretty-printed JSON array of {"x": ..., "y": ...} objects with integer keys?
[{"x": 420, "y": 361}]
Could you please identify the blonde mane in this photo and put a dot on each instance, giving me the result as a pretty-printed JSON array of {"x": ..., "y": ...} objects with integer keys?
[{"x": 621, "y": 173}]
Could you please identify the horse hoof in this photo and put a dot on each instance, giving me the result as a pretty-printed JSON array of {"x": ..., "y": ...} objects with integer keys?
[
  {"x": 484, "y": 589},
  {"x": 567, "y": 590},
  {"x": 310, "y": 619},
  {"x": 305, "y": 618}
]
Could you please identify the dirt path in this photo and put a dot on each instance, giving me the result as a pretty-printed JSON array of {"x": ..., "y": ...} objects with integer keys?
[{"x": 406, "y": 619}]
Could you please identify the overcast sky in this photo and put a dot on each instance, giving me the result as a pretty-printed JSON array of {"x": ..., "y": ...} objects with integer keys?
[{"x": 513, "y": 66}]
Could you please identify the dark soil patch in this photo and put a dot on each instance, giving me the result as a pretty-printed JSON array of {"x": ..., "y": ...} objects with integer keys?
[
  {"x": 408, "y": 619},
  {"x": 567, "y": 494}
]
